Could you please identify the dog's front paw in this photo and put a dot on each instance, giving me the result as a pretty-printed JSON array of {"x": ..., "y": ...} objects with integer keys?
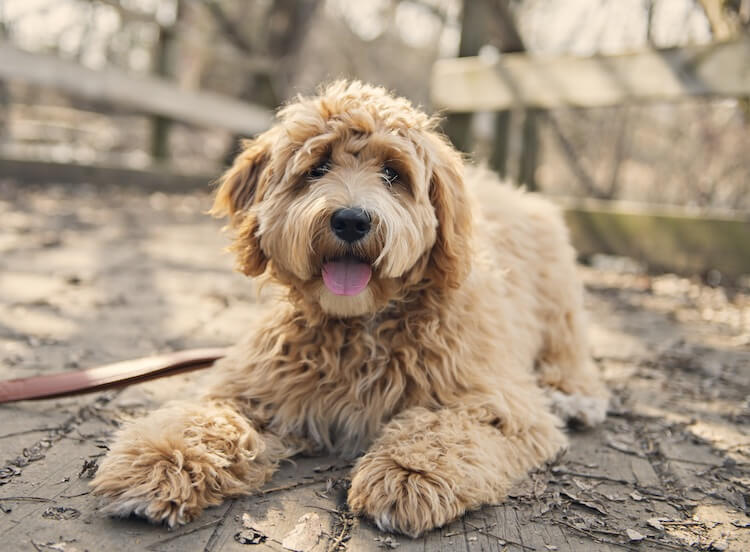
[
  {"x": 172, "y": 464},
  {"x": 158, "y": 485},
  {"x": 402, "y": 497}
]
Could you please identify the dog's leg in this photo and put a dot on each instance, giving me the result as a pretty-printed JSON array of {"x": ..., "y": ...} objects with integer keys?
[
  {"x": 565, "y": 367},
  {"x": 170, "y": 465},
  {"x": 429, "y": 467}
]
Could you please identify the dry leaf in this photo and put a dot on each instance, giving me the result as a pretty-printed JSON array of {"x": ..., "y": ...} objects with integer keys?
[
  {"x": 634, "y": 536},
  {"x": 655, "y": 523},
  {"x": 587, "y": 503},
  {"x": 305, "y": 534},
  {"x": 250, "y": 536},
  {"x": 387, "y": 542}
]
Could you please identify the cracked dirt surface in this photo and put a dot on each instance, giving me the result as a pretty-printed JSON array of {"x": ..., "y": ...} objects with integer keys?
[{"x": 94, "y": 275}]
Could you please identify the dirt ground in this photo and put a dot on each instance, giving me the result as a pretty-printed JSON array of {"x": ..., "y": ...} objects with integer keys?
[{"x": 95, "y": 275}]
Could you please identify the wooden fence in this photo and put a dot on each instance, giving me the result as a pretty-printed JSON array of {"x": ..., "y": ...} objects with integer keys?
[
  {"x": 682, "y": 241},
  {"x": 675, "y": 239}
]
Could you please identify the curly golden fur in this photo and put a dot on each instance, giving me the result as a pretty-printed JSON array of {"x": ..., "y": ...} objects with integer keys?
[{"x": 442, "y": 369}]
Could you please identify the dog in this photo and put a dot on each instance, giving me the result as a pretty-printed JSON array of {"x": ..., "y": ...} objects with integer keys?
[{"x": 431, "y": 319}]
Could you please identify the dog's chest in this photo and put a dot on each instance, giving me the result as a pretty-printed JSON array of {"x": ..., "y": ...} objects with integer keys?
[
  {"x": 357, "y": 385},
  {"x": 339, "y": 384},
  {"x": 353, "y": 399}
]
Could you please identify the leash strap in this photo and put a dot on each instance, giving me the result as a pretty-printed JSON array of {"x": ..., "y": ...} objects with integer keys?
[{"x": 118, "y": 374}]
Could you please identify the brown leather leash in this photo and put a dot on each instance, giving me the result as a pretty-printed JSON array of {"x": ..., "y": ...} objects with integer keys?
[{"x": 118, "y": 374}]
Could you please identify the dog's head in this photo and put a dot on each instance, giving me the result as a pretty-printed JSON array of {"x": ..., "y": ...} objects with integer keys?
[{"x": 352, "y": 200}]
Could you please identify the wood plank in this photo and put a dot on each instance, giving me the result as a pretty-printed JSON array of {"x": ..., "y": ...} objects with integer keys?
[
  {"x": 672, "y": 240},
  {"x": 51, "y": 172},
  {"x": 474, "y": 84},
  {"x": 145, "y": 94}
]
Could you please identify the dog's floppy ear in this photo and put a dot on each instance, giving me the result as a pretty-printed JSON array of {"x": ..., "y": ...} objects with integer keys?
[
  {"x": 450, "y": 259},
  {"x": 241, "y": 187}
]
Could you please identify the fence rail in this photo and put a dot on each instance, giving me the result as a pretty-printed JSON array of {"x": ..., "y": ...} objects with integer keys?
[
  {"x": 52, "y": 172},
  {"x": 669, "y": 239},
  {"x": 154, "y": 96},
  {"x": 519, "y": 80}
]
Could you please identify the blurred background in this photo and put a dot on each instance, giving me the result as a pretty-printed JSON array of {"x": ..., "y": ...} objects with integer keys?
[
  {"x": 171, "y": 85},
  {"x": 692, "y": 151},
  {"x": 116, "y": 115}
]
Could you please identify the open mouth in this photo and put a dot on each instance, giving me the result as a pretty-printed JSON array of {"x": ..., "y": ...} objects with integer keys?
[{"x": 346, "y": 275}]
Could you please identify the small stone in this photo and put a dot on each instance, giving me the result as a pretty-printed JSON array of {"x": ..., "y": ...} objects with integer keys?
[
  {"x": 719, "y": 545},
  {"x": 635, "y": 495}
]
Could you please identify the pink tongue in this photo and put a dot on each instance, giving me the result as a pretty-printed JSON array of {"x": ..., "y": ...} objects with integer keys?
[{"x": 348, "y": 277}]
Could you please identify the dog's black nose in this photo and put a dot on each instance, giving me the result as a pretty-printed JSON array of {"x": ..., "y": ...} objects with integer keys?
[{"x": 350, "y": 224}]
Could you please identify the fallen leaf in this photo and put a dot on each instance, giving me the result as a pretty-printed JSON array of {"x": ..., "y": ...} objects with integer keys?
[
  {"x": 387, "y": 542},
  {"x": 62, "y": 546},
  {"x": 60, "y": 513},
  {"x": 621, "y": 446},
  {"x": 250, "y": 536},
  {"x": 587, "y": 503},
  {"x": 305, "y": 535},
  {"x": 655, "y": 523},
  {"x": 634, "y": 536}
]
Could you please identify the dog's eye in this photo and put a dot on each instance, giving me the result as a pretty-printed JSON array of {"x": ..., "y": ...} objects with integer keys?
[
  {"x": 320, "y": 170},
  {"x": 389, "y": 175}
]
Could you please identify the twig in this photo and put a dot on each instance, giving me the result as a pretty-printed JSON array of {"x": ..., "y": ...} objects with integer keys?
[
  {"x": 329, "y": 510},
  {"x": 25, "y": 499},
  {"x": 501, "y": 539},
  {"x": 592, "y": 536},
  {"x": 292, "y": 486},
  {"x": 347, "y": 521},
  {"x": 153, "y": 545},
  {"x": 589, "y": 534},
  {"x": 283, "y": 487},
  {"x": 695, "y": 462},
  {"x": 75, "y": 495},
  {"x": 590, "y": 476},
  {"x": 618, "y": 448},
  {"x": 684, "y": 523},
  {"x": 26, "y": 432}
]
